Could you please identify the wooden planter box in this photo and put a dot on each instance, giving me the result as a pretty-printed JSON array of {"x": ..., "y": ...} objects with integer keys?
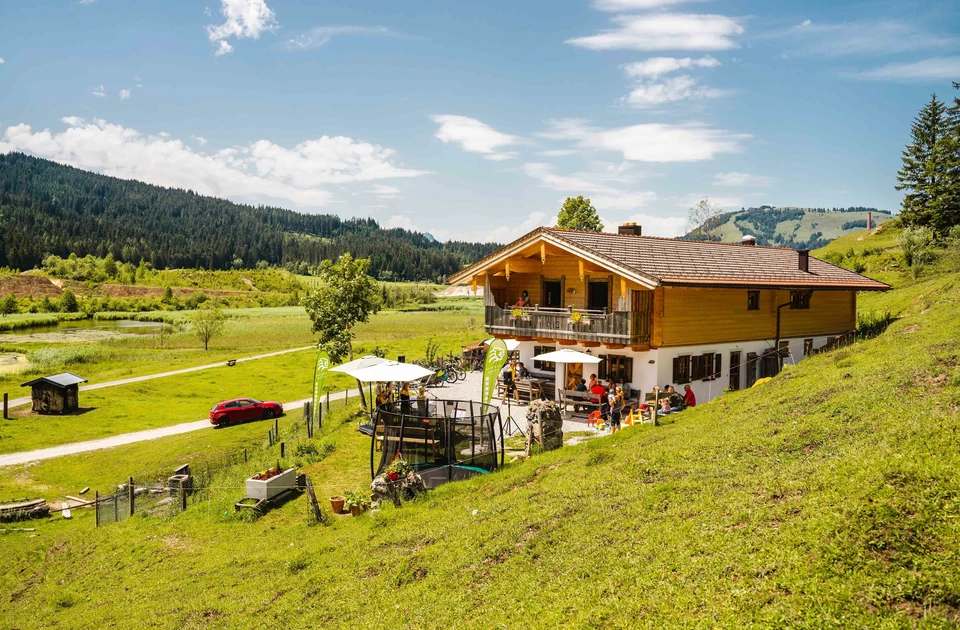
[{"x": 266, "y": 490}]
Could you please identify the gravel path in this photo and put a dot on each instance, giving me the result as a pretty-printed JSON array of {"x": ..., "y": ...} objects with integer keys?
[{"x": 16, "y": 402}]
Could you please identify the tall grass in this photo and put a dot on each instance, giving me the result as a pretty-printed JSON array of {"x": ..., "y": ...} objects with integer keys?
[{"x": 872, "y": 323}]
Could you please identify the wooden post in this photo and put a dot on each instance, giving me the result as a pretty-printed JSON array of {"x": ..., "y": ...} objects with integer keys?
[
  {"x": 96, "y": 506},
  {"x": 328, "y": 404},
  {"x": 182, "y": 496},
  {"x": 6, "y": 406},
  {"x": 317, "y": 514},
  {"x": 320, "y": 414},
  {"x": 306, "y": 410},
  {"x": 244, "y": 455},
  {"x": 276, "y": 428},
  {"x": 270, "y": 437},
  {"x": 116, "y": 510},
  {"x": 130, "y": 493},
  {"x": 282, "y": 449}
]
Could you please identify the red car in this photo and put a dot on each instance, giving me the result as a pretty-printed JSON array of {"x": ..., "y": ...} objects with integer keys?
[{"x": 242, "y": 409}]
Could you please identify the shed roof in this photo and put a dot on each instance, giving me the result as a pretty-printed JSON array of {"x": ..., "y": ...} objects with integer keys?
[{"x": 64, "y": 379}]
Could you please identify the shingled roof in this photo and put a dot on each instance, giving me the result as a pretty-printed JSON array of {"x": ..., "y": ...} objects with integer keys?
[{"x": 669, "y": 261}]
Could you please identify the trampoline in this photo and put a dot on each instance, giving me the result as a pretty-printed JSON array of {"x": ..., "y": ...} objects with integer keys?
[{"x": 443, "y": 440}]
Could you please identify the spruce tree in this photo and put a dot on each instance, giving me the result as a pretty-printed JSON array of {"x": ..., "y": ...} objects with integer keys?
[
  {"x": 950, "y": 203},
  {"x": 923, "y": 170}
]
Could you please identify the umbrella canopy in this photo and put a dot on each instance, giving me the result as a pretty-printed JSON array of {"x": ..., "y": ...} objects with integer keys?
[
  {"x": 390, "y": 371},
  {"x": 512, "y": 344},
  {"x": 568, "y": 356},
  {"x": 359, "y": 364}
]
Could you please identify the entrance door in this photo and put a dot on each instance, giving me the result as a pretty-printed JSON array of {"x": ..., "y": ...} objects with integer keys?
[
  {"x": 552, "y": 298},
  {"x": 751, "y": 368},
  {"x": 735, "y": 370},
  {"x": 599, "y": 295},
  {"x": 574, "y": 374}
]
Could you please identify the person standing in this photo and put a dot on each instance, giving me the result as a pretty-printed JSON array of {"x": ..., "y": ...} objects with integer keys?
[
  {"x": 616, "y": 410},
  {"x": 405, "y": 398},
  {"x": 510, "y": 382}
]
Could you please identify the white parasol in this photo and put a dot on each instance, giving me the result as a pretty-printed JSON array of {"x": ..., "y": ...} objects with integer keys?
[
  {"x": 512, "y": 344},
  {"x": 390, "y": 371},
  {"x": 358, "y": 364},
  {"x": 568, "y": 356}
]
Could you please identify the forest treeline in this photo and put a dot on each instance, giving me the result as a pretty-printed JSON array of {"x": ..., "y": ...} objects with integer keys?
[{"x": 51, "y": 209}]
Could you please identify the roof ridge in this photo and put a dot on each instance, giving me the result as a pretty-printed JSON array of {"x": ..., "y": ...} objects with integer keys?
[{"x": 668, "y": 238}]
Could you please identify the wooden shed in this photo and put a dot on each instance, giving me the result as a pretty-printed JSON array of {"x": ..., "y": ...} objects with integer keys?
[{"x": 56, "y": 394}]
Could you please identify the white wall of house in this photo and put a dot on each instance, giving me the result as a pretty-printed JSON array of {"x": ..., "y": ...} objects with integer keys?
[{"x": 646, "y": 375}]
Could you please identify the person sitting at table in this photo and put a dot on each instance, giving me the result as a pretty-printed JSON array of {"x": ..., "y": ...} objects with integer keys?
[
  {"x": 405, "y": 398},
  {"x": 581, "y": 386},
  {"x": 676, "y": 400},
  {"x": 598, "y": 391},
  {"x": 522, "y": 372},
  {"x": 665, "y": 408},
  {"x": 524, "y": 300},
  {"x": 593, "y": 381},
  {"x": 625, "y": 387},
  {"x": 689, "y": 398}
]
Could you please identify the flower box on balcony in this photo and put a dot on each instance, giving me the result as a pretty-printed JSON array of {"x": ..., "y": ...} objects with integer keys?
[
  {"x": 272, "y": 486},
  {"x": 577, "y": 318}
]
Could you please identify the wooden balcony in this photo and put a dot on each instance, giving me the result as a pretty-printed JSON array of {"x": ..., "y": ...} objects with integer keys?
[{"x": 618, "y": 327}]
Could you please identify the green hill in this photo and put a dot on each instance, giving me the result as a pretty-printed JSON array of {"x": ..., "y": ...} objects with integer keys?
[
  {"x": 827, "y": 497},
  {"x": 798, "y": 228},
  {"x": 48, "y": 208}
]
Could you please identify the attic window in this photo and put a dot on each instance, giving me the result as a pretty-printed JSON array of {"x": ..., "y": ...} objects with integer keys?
[
  {"x": 800, "y": 299},
  {"x": 753, "y": 300}
]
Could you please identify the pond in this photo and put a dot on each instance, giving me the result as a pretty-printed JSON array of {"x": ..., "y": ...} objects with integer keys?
[{"x": 83, "y": 330}]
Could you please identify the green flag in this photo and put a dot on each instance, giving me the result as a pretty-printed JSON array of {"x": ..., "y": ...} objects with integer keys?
[
  {"x": 319, "y": 376},
  {"x": 494, "y": 362}
]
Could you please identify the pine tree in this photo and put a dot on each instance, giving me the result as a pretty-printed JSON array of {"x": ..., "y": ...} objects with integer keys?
[
  {"x": 950, "y": 204},
  {"x": 923, "y": 172}
]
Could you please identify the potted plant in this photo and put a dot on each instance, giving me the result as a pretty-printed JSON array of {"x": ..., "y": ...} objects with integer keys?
[
  {"x": 358, "y": 501},
  {"x": 336, "y": 504},
  {"x": 398, "y": 469},
  {"x": 576, "y": 317},
  {"x": 517, "y": 313},
  {"x": 271, "y": 482}
]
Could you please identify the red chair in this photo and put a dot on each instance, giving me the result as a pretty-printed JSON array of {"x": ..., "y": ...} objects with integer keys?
[{"x": 592, "y": 418}]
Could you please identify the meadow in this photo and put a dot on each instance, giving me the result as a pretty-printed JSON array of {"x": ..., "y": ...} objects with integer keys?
[{"x": 826, "y": 497}]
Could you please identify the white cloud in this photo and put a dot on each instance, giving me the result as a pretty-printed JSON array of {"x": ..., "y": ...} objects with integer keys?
[
  {"x": 658, "y": 66},
  {"x": 321, "y": 35},
  {"x": 200, "y": 140},
  {"x": 557, "y": 153},
  {"x": 735, "y": 179},
  {"x": 124, "y": 95},
  {"x": 400, "y": 221},
  {"x": 665, "y": 31},
  {"x": 876, "y": 37},
  {"x": 616, "y": 6},
  {"x": 603, "y": 195},
  {"x": 99, "y": 92},
  {"x": 2, "y": 61},
  {"x": 652, "y": 142},
  {"x": 570, "y": 184},
  {"x": 506, "y": 233},
  {"x": 87, "y": 1},
  {"x": 623, "y": 200},
  {"x": 384, "y": 192},
  {"x": 474, "y": 136},
  {"x": 681, "y": 88},
  {"x": 259, "y": 172},
  {"x": 936, "y": 68},
  {"x": 243, "y": 19}
]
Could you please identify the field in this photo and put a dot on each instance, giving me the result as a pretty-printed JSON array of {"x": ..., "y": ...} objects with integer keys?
[{"x": 827, "y": 497}]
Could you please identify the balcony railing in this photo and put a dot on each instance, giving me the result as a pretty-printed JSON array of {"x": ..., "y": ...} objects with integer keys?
[{"x": 618, "y": 327}]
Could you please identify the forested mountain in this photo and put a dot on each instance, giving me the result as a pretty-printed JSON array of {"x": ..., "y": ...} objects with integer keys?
[
  {"x": 798, "y": 228},
  {"x": 48, "y": 208}
]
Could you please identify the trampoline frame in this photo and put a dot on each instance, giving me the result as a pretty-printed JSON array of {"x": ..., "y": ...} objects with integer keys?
[{"x": 411, "y": 423}]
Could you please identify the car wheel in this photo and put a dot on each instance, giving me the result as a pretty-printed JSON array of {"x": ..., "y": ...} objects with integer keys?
[
  {"x": 223, "y": 422},
  {"x": 267, "y": 414}
]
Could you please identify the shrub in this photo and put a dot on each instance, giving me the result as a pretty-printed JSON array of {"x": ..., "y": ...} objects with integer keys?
[
  {"x": 915, "y": 243},
  {"x": 873, "y": 323}
]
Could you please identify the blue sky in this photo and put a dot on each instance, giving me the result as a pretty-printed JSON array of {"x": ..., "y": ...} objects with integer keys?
[{"x": 476, "y": 120}]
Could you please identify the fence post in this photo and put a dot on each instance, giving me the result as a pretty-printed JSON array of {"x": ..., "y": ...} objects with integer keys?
[
  {"x": 282, "y": 445},
  {"x": 276, "y": 428},
  {"x": 270, "y": 436},
  {"x": 96, "y": 506},
  {"x": 130, "y": 493},
  {"x": 6, "y": 404},
  {"x": 182, "y": 496},
  {"x": 244, "y": 455},
  {"x": 116, "y": 510},
  {"x": 328, "y": 406}
]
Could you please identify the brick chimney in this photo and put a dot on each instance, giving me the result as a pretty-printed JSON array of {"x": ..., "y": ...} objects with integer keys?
[
  {"x": 869, "y": 220},
  {"x": 630, "y": 228},
  {"x": 804, "y": 260}
]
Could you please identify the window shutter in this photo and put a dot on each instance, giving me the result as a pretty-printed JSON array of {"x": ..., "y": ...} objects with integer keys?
[
  {"x": 717, "y": 368},
  {"x": 678, "y": 376}
]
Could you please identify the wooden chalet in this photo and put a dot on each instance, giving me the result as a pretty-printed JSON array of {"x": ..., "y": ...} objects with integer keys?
[{"x": 665, "y": 311}]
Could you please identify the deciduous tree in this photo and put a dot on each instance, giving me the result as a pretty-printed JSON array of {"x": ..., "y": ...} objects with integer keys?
[
  {"x": 207, "y": 323},
  {"x": 705, "y": 219},
  {"x": 578, "y": 213},
  {"x": 8, "y": 305}
]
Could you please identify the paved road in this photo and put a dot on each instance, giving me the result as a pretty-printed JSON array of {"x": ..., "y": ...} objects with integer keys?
[
  {"x": 16, "y": 402},
  {"x": 12, "y": 459}
]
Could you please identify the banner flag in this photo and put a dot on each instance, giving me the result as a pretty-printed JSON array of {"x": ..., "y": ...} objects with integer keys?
[
  {"x": 494, "y": 362},
  {"x": 319, "y": 376}
]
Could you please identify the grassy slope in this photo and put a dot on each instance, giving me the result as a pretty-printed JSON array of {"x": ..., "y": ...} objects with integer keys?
[
  {"x": 827, "y": 497},
  {"x": 829, "y": 223}
]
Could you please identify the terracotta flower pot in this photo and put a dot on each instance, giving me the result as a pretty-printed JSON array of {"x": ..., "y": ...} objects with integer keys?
[
  {"x": 354, "y": 510},
  {"x": 336, "y": 504}
]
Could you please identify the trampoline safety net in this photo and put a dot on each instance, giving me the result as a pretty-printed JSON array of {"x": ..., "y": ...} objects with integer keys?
[{"x": 444, "y": 440}]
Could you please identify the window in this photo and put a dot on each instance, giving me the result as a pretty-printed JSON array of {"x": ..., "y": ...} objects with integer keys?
[
  {"x": 713, "y": 366},
  {"x": 807, "y": 346},
  {"x": 751, "y": 368},
  {"x": 616, "y": 367},
  {"x": 681, "y": 370},
  {"x": 734, "y": 371},
  {"x": 698, "y": 367},
  {"x": 753, "y": 300},
  {"x": 799, "y": 299},
  {"x": 547, "y": 366},
  {"x": 598, "y": 297}
]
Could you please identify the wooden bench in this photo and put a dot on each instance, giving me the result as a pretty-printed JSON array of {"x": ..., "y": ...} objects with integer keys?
[
  {"x": 579, "y": 399},
  {"x": 411, "y": 435}
]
